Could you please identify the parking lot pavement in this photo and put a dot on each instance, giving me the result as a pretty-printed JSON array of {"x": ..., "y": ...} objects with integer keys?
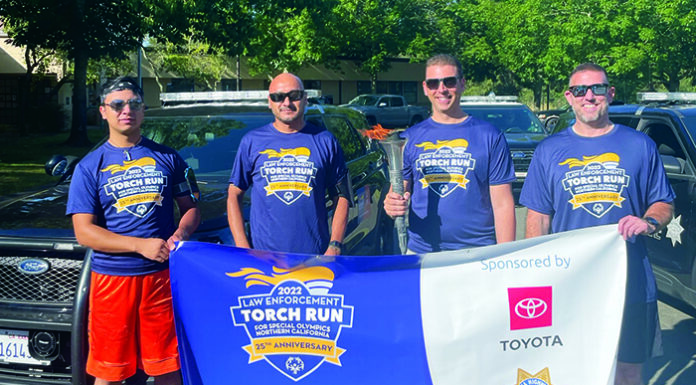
[{"x": 676, "y": 366}]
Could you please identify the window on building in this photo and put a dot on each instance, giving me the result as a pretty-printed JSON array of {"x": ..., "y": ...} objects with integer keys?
[
  {"x": 181, "y": 85},
  {"x": 411, "y": 92},
  {"x": 230, "y": 84},
  {"x": 364, "y": 87}
]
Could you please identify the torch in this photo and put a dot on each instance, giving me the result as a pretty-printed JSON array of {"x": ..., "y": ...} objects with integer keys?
[{"x": 392, "y": 144}]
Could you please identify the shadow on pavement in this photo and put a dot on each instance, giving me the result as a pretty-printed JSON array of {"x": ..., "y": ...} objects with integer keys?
[{"x": 676, "y": 366}]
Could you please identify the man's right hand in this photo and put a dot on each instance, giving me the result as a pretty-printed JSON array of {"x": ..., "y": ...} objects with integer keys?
[
  {"x": 153, "y": 248},
  {"x": 396, "y": 205}
]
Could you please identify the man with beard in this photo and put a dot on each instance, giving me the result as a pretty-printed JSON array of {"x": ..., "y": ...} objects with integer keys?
[
  {"x": 625, "y": 183},
  {"x": 289, "y": 165},
  {"x": 459, "y": 168}
]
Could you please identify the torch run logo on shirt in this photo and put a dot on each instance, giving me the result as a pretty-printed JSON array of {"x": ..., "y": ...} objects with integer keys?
[
  {"x": 138, "y": 186},
  {"x": 295, "y": 326},
  {"x": 444, "y": 165},
  {"x": 289, "y": 177},
  {"x": 598, "y": 185},
  {"x": 530, "y": 307}
]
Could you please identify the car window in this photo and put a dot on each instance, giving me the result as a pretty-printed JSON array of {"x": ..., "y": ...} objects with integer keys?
[
  {"x": 352, "y": 145},
  {"x": 665, "y": 139},
  {"x": 506, "y": 119},
  {"x": 397, "y": 102},
  {"x": 208, "y": 144}
]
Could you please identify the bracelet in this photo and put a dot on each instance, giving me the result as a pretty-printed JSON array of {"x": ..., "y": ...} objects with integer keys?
[
  {"x": 652, "y": 221},
  {"x": 336, "y": 245}
]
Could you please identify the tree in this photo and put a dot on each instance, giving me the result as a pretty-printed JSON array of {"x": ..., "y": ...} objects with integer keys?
[
  {"x": 86, "y": 30},
  {"x": 193, "y": 59}
]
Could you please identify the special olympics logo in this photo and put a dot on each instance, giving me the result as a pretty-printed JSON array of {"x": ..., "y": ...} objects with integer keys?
[{"x": 530, "y": 308}]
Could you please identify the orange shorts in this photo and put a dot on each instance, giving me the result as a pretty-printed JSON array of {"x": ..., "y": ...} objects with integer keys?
[{"x": 131, "y": 325}]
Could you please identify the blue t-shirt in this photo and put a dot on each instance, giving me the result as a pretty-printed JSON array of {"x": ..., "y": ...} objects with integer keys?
[
  {"x": 582, "y": 182},
  {"x": 130, "y": 191},
  {"x": 450, "y": 168},
  {"x": 288, "y": 175}
]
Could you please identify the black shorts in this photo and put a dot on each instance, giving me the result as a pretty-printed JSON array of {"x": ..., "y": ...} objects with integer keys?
[{"x": 640, "y": 333}]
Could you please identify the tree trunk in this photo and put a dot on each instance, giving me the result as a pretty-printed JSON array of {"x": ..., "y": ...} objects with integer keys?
[{"x": 78, "y": 129}]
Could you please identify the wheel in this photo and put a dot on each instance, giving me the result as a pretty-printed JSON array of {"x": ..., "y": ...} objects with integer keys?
[
  {"x": 551, "y": 122},
  {"x": 415, "y": 120}
]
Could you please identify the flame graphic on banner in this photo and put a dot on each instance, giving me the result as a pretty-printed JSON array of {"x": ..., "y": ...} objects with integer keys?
[
  {"x": 142, "y": 162},
  {"x": 258, "y": 277},
  {"x": 575, "y": 162},
  {"x": 444, "y": 143},
  {"x": 299, "y": 151}
]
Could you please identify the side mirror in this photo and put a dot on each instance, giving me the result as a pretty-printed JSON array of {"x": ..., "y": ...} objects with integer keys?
[
  {"x": 59, "y": 165},
  {"x": 382, "y": 104}
]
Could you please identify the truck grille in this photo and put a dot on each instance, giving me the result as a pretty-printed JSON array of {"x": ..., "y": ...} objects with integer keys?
[
  {"x": 521, "y": 159},
  {"x": 55, "y": 286}
]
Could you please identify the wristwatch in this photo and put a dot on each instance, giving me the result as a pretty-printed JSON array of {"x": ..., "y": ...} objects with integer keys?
[
  {"x": 336, "y": 245},
  {"x": 652, "y": 221}
]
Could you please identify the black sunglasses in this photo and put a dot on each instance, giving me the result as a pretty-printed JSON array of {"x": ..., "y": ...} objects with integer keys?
[
  {"x": 294, "y": 96},
  {"x": 118, "y": 104},
  {"x": 597, "y": 89},
  {"x": 449, "y": 82}
]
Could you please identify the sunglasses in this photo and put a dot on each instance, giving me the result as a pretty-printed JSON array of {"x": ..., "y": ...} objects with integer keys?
[
  {"x": 118, "y": 104},
  {"x": 449, "y": 82},
  {"x": 294, "y": 96},
  {"x": 597, "y": 89}
]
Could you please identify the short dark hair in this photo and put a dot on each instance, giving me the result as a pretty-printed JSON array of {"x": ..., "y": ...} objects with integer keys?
[
  {"x": 589, "y": 67},
  {"x": 119, "y": 84},
  {"x": 446, "y": 59}
]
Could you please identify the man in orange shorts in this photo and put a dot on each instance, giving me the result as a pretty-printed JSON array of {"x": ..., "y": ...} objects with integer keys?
[{"x": 121, "y": 201}]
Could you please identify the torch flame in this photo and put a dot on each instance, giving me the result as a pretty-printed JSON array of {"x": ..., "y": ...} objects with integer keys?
[{"x": 377, "y": 132}]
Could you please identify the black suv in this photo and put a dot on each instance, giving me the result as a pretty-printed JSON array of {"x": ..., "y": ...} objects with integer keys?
[
  {"x": 670, "y": 120},
  {"x": 522, "y": 128},
  {"x": 44, "y": 273}
]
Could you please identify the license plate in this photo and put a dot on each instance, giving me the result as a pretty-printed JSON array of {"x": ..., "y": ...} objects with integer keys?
[{"x": 14, "y": 348}]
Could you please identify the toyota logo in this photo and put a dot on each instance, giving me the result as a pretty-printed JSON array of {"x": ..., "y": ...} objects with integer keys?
[{"x": 530, "y": 308}]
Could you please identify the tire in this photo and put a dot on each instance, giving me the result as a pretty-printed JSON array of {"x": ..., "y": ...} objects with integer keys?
[{"x": 415, "y": 120}]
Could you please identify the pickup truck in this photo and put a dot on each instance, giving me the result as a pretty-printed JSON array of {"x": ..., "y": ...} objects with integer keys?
[{"x": 390, "y": 111}]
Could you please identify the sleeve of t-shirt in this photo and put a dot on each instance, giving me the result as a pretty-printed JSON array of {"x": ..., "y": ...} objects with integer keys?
[
  {"x": 501, "y": 169},
  {"x": 407, "y": 160},
  {"x": 660, "y": 189},
  {"x": 241, "y": 175},
  {"x": 83, "y": 196},
  {"x": 536, "y": 193},
  {"x": 179, "y": 175}
]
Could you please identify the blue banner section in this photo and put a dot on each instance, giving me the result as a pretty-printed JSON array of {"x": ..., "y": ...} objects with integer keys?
[{"x": 275, "y": 318}]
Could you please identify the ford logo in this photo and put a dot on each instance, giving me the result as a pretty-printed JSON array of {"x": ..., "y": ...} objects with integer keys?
[
  {"x": 517, "y": 154},
  {"x": 33, "y": 266}
]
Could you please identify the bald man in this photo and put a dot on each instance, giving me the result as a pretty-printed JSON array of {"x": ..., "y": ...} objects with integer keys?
[{"x": 289, "y": 165}]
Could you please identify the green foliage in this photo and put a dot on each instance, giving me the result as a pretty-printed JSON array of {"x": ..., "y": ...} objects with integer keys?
[{"x": 194, "y": 59}]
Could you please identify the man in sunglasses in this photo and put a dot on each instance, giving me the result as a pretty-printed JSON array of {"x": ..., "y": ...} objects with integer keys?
[
  {"x": 459, "y": 170},
  {"x": 289, "y": 165},
  {"x": 121, "y": 200},
  {"x": 596, "y": 172}
]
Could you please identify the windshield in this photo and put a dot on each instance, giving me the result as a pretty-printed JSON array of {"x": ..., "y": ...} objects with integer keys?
[
  {"x": 364, "y": 100},
  {"x": 508, "y": 119},
  {"x": 207, "y": 143}
]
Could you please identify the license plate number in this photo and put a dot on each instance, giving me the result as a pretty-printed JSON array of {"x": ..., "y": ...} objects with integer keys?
[{"x": 14, "y": 348}]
